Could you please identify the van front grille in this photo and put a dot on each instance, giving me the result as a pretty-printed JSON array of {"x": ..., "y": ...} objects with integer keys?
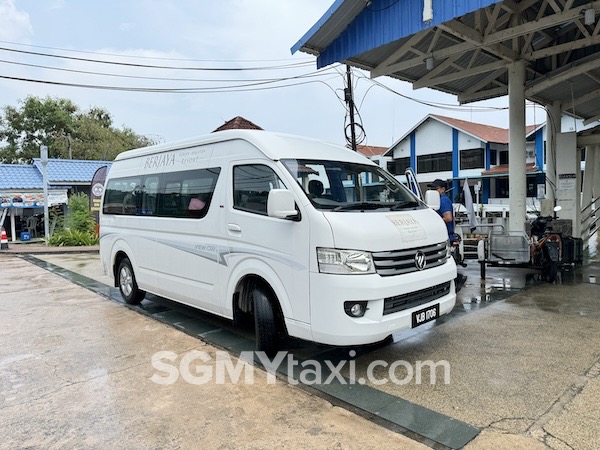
[
  {"x": 397, "y": 262},
  {"x": 412, "y": 299}
]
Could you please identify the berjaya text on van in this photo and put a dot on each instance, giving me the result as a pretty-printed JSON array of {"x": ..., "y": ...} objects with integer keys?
[{"x": 296, "y": 236}]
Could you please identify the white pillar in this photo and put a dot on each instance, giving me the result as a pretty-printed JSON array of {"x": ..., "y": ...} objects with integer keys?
[
  {"x": 13, "y": 225},
  {"x": 568, "y": 175},
  {"x": 517, "y": 152},
  {"x": 587, "y": 194},
  {"x": 553, "y": 127}
]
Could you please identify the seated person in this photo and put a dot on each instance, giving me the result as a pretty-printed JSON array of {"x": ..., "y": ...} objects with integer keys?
[
  {"x": 198, "y": 205},
  {"x": 315, "y": 189}
]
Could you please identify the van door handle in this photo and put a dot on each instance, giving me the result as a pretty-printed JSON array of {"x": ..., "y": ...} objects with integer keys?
[{"x": 234, "y": 227}]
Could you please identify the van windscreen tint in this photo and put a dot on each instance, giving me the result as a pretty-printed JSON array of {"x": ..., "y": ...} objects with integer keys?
[{"x": 347, "y": 186}]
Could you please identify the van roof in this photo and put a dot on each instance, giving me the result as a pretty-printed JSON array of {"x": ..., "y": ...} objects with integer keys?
[{"x": 274, "y": 146}]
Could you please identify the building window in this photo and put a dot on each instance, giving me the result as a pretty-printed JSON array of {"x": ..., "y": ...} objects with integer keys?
[
  {"x": 472, "y": 159},
  {"x": 503, "y": 157},
  {"x": 439, "y": 162},
  {"x": 503, "y": 189},
  {"x": 398, "y": 166},
  {"x": 493, "y": 157}
]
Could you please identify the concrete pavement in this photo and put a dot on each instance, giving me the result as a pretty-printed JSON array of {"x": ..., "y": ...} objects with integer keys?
[
  {"x": 525, "y": 370},
  {"x": 75, "y": 372}
]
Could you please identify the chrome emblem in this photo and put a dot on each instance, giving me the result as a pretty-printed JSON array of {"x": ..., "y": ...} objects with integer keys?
[{"x": 420, "y": 260}]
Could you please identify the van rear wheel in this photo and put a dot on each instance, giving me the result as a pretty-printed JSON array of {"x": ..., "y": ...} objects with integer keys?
[
  {"x": 130, "y": 292},
  {"x": 266, "y": 323}
]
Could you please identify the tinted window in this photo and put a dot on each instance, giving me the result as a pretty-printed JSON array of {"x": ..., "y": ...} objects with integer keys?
[
  {"x": 471, "y": 159},
  {"x": 251, "y": 186},
  {"x": 176, "y": 194},
  {"x": 439, "y": 162},
  {"x": 122, "y": 196}
]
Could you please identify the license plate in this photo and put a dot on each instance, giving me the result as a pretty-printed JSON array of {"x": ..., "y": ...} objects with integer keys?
[{"x": 425, "y": 315}]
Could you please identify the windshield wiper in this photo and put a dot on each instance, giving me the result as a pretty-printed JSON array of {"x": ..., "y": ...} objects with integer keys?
[
  {"x": 405, "y": 204},
  {"x": 360, "y": 206}
]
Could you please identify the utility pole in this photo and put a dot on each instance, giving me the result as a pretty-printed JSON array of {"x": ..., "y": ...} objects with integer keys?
[
  {"x": 350, "y": 102},
  {"x": 44, "y": 161}
]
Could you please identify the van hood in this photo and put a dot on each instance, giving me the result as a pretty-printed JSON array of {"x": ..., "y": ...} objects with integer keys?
[{"x": 383, "y": 231}]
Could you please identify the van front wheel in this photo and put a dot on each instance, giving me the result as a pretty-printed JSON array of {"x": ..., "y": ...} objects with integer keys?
[
  {"x": 265, "y": 323},
  {"x": 130, "y": 292}
]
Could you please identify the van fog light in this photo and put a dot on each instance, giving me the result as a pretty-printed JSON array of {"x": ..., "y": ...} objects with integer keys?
[{"x": 355, "y": 309}]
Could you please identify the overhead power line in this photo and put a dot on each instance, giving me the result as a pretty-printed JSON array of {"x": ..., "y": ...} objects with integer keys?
[
  {"x": 163, "y": 58},
  {"x": 154, "y": 66},
  {"x": 140, "y": 77}
]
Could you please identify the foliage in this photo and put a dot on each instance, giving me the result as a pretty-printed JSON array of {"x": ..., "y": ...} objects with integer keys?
[
  {"x": 68, "y": 237},
  {"x": 80, "y": 226},
  {"x": 80, "y": 218},
  {"x": 64, "y": 129}
]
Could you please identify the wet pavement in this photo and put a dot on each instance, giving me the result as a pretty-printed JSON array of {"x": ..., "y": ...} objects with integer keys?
[{"x": 522, "y": 358}]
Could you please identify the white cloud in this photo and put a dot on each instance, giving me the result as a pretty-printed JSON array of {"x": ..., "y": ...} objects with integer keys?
[
  {"x": 58, "y": 4},
  {"x": 14, "y": 24}
]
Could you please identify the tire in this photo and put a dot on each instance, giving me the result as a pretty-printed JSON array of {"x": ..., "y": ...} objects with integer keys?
[
  {"x": 266, "y": 323},
  {"x": 551, "y": 271},
  {"x": 130, "y": 292}
]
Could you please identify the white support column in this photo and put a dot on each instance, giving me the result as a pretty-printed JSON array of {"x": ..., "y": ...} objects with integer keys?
[
  {"x": 591, "y": 153},
  {"x": 517, "y": 152},
  {"x": 553, "y": 127},
  {"x": 568, "y": 174},
  {"x": 13, "y": 225}
]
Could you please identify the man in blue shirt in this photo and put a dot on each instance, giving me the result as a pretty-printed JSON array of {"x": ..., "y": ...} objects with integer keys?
[{"x": 446, "y": 212}]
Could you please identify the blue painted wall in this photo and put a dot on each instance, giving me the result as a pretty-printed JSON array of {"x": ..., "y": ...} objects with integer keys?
[{"x": 539, "y": 149}]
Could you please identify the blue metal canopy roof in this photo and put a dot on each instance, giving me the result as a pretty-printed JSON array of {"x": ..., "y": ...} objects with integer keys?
[
  {"x": 368, "y": 25},
  {"x": 71, "y": 171},
  {"x": 20, "y": 176},
  {"x": 61, "y": 172},
  {"x": 466, "y": 47}
]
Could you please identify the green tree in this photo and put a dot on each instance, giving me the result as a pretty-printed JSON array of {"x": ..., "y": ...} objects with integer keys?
[{"x": 67, "y": 131}]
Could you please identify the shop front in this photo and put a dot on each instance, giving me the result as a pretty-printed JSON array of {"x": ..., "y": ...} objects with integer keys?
[{"x": 22, "y": 212}]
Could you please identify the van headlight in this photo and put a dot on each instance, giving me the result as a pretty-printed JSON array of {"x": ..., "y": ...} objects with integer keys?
[{"x": 345, "y": 262}]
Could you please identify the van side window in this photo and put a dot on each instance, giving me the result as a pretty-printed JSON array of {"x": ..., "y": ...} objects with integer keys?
[
  {"x": 251, "y": 186},
  {"x": 149, "y": 196},
  {"x": 176, "y": 194},
  {"x": 122, "y": 196},
  {"x": 187, "y": 194}
]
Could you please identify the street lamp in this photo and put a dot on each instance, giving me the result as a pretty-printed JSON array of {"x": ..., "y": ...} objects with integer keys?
[{"x": 44, "y": 162}]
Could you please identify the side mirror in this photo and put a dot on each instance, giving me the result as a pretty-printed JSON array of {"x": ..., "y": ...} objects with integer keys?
[
  {"x": 432, "y": 199},
  {"x": 281, "y": 204}
]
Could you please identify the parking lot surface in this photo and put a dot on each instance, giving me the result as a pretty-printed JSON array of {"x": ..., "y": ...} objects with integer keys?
[{"x": 522, "y": 358}]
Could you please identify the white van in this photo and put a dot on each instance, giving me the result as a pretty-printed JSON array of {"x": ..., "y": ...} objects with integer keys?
[{"x": 300, "y": 237}]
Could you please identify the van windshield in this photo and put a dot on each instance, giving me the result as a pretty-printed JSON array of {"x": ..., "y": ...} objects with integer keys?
[{"x": 347, "y": 186}]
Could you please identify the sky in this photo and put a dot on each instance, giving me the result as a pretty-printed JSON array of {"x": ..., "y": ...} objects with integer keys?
[{"x": 211, "y": 61}]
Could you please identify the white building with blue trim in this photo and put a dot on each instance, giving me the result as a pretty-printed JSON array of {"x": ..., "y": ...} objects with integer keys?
[{"x": 454, "y": 150}]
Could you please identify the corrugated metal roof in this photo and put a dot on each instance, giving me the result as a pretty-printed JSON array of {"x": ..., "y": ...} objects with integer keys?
[
  {"x": 61, "y": 173},
  {"x": 71, "y": 171},
  {"x": 20, "y": 176},
  {"x": 471, "y": 45},
  {"x": 350, "y": 28}
]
